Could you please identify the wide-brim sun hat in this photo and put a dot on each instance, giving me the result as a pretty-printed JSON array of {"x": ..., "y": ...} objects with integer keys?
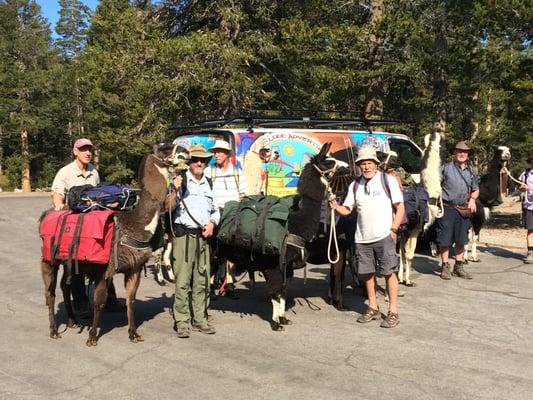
[
  {"x": 198, "y": 151},
  {"x": 462, "y": 146},
  {"x": 220, "y": 145},
  {"x": 367, "y": 153}
]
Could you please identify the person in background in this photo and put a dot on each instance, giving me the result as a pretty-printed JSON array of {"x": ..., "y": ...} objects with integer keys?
[
  {"x": 527, "y": 207},
  {"x": 229, "y": 184}
]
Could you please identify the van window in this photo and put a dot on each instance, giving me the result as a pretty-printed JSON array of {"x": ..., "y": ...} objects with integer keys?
[{"x": 409, "y": 154}]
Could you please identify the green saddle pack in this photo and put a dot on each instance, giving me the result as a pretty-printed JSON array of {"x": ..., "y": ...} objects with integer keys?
[{"x": 256, "y": 223}]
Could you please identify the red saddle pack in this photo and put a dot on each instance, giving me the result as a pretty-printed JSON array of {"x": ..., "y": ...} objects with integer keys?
[{"x": 82, "y": 237}]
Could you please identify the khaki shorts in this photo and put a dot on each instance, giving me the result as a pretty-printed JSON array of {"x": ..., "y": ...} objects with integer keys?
[{"x": 377, "y": 257}]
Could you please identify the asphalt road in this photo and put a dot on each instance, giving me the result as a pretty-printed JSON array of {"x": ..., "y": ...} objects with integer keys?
[{"x": 456, "y": 340}]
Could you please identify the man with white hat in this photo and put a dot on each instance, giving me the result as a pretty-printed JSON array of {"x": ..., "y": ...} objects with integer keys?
[
  {"x": 229, "y": 183},
  {"x": 379, "y": 203}
]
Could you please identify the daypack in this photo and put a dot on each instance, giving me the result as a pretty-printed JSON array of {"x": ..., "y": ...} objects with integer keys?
[
  {"x": 71, "y": 237},
  {"x": 256, "y": 223},
  {"x": 415, "y": 200},
  {"x": 104, "y": 196}
]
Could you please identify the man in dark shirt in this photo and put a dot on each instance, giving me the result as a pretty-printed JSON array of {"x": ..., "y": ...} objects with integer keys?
[{"x": 459, "y": 190}]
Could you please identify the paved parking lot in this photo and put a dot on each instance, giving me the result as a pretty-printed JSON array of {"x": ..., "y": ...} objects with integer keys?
[{"x": 456, "y": 340}]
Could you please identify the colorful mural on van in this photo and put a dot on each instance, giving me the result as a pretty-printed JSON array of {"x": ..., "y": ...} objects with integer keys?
[{"x": 273, "y": 159}]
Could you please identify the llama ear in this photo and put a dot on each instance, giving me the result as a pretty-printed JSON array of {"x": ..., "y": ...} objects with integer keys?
[{"x": 324, "y": 150}]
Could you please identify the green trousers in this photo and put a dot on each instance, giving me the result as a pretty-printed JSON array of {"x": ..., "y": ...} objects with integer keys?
[{"x": 191, "y": 268}]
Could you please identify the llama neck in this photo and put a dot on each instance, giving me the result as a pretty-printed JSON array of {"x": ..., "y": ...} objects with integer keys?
[
  {"x": 142, "y": 221},
  {"x": 430, "y": 174},
  {"x": 489, "y": 190},
  {"x": 304, "y": 221}
]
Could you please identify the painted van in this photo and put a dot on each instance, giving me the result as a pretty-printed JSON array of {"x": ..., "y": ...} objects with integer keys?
[{"x": 272, "y": 158}]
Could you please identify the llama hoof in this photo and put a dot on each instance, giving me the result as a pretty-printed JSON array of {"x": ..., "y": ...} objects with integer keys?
[
  {"x": 160, "y": 283},
  {"x": 72, "y": 323},
  {"x": 54, "y": 334},
  {"x": 339, "y": 306},
  {"x": 476, "y": 260},
  {"x": 410, "y": 284},
  {"x": 92, "y": 341},
  {"x": 135, "y": 337},
  {"x": 276, "y": 326},
  {"x": 284, "y": 321}
]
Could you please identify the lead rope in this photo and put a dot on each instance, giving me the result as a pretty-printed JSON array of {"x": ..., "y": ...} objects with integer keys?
[{"x": 332, "y": 231}]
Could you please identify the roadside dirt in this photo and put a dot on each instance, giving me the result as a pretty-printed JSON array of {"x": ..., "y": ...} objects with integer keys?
[{"x": 503, "y": 228}]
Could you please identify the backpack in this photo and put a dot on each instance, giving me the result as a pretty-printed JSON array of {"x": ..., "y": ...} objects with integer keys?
[
  {"x": 415, "y": 200},
  {"x": 256, "y": 223},
  {"x": 104, "y": 196},
  {"x": 214, "y": 175}
]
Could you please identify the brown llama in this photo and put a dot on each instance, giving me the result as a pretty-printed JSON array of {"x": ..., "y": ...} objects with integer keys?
[{"x": 130, "y": 250}]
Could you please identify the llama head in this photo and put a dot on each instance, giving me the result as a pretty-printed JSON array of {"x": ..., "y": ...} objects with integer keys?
[
  {"x": 317, "y": 174},
  {"x": 503, "y": 153},
  {"x": 432, "y": 139}
]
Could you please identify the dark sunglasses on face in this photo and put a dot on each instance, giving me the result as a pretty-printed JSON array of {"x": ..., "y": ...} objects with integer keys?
[{"x": 196, "y": 159}]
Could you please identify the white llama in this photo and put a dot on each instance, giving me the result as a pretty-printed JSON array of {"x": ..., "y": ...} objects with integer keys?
[{"x": 430, "y": 179}]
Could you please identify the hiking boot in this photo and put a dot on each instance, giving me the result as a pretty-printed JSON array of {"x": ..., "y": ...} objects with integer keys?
[
  {"x": 391, "y": 321},
  {"x": 446, "y": 271},
  {"x": 529, "y": 257},
  {"x": 183, "y": 332},
  {"x": 460, "y": 272},
  {"x": 204, "y": 328},
  {"x": 369, "y": 315}
]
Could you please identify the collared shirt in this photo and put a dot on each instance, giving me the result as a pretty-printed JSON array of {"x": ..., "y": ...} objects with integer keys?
[
  {"x": 70, "y": 175},
  {"x": 454, "y": 188},
  {"x": 528, "y": 199},
  {"x": 200, "y": 202},
  {"x": 227, "y": 185}
]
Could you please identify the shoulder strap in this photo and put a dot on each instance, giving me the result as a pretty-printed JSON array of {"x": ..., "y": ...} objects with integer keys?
[
  {"x": 462, "y": 177},
  {"x": 213, "y": 173},
  {"x": 386, "y": 187},
  {"x": 236, "y": 176},
  {"x": 526, "y": 174},
  {"x": 210, "y": 182}
]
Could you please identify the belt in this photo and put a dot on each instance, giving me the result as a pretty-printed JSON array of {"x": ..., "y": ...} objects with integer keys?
[{"x": 186, "y": 230}]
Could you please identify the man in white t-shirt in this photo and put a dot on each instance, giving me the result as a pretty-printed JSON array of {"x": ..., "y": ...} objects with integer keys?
[
  {"x": 229, "y": 183},
  {"x": 379, "y": 204}
]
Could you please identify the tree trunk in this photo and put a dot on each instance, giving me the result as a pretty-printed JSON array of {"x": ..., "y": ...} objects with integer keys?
[
  {"x": 374, "y": 94},
  {"x": 440, "y": 83},
  {"x": 1, "y": 150},
  {"x": 25, "y": 153}
]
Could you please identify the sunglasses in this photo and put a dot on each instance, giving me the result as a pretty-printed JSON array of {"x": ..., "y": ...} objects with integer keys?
[{"x": 196, "y": 159}]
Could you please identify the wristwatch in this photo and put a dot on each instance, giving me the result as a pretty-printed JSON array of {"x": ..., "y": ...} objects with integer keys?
[{"x": 395, "y": 230}]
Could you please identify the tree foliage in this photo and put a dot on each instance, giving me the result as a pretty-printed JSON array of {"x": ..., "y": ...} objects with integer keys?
[{"x": 122, "y": 75}]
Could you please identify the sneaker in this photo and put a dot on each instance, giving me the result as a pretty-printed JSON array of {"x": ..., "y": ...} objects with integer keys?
[
  {"x": 446, "y": 271},
  {"x": 204, "y": 328},
  {"x": 460, "y": 272},
  {"x": 391, "y": 321},
  {"x": 529, "y": 257},
  {"x": 369, "y": 315},
  {"x": 183, "y": 332}
]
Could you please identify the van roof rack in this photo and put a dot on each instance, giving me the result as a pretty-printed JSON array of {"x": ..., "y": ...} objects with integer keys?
[{"x": 329, "y": 120}]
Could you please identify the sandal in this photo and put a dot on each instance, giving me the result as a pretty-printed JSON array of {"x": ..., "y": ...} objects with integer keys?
[{"x": 391, "y": 321}]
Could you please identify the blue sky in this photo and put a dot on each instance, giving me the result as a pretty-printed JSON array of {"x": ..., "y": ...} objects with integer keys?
[{"x": 50, "y": 10}]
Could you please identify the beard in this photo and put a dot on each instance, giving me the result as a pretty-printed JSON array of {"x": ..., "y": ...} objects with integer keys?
[{"x": 197, "y": 170}]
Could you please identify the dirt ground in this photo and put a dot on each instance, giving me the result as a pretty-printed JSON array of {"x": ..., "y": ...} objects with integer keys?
[{"x": 504, "y": 228}]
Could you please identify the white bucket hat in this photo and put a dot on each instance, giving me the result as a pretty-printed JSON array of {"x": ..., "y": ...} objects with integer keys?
[
  {"x": 220, "y": 145},
  {"x": 366, "y": 153}
]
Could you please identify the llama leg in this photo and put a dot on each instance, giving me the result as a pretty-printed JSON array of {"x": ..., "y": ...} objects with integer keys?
[
  {"x": 133, "y": 279},
  {"x": 99, "y": 300},
  {"x": 338, "y": 269},
  {"x": 158, "y": 266},
  {"x": 167, "y": 262},
  {"x": 410, "y": 247},
  {"x": 67, "y": 289},
  {"x": 274, "y": 280},
  {"x": 402, "y": 263},
  {"x": 467, "y": 246},
  {"x": 50, "y": 281},
  {"x": 475, "y": 240},
  {"x": 283, "y": 320}
]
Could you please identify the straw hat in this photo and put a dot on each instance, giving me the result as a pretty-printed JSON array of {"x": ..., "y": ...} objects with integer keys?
[{"x": 198, "y": 151}]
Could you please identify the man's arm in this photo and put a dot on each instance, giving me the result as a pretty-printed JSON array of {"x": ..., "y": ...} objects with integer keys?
[{"x": 58, "y": 201}]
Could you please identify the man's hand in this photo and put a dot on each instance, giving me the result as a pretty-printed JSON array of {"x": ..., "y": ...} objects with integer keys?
[
  {"x": 472, "y": 205},
  {"x": 207, "y": 230},
  {"x": 393, "y": 235},
  {"x": 522, "y": 187},
  {"x": 59, "y": 207},
  {"x": 177, "y": 181},
  {"x": 332, "y": 204}
]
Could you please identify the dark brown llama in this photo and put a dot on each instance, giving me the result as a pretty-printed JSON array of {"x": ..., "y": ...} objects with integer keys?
[
  {"x": 303, "y": 220},
  {"x": 131, "y": 245}
]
